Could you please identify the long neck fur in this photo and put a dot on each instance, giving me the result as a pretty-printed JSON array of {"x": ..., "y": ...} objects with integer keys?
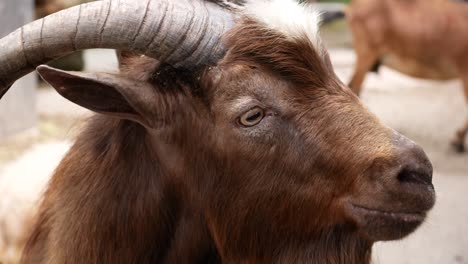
[
  {"x": 110, "y": 201},
  {"x": 333, "y": 247}
]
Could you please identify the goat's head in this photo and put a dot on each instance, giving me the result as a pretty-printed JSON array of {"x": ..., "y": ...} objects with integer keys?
[{"x": 254, "y": 122}]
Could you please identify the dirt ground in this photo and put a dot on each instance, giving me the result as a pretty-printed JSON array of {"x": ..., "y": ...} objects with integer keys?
[{"x": 427, "y": 112}]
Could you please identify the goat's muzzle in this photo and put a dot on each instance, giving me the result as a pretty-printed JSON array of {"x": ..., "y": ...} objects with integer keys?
[{"x": 394, "y": 194}]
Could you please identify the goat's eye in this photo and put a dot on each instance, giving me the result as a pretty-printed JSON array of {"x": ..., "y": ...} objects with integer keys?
[{"x": 252, "y": 117}]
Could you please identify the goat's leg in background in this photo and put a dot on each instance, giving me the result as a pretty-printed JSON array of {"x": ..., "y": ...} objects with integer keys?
[
  {"x": 365, "y": 62},
  {"x": 459, "y": 140},
  {"x": 366, "y": 59}
]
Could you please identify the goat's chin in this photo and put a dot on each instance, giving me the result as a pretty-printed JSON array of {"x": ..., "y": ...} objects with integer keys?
[
  {"x": 393, "y": 213},
  {"x": 380, "y": 225}
]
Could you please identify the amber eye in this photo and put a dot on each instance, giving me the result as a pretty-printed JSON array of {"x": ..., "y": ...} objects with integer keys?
[{"x": 252, "y": 117}]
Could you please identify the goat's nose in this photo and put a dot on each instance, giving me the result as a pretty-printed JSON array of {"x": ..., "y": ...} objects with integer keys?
[{"x": 414, "y": 165}]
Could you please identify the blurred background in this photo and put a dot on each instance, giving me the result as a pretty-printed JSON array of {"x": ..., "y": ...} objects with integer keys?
[{"x": 37, "y": 127}]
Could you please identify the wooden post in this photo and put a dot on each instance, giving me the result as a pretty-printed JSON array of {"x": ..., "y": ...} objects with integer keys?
[{"x": 18, "y": 106}]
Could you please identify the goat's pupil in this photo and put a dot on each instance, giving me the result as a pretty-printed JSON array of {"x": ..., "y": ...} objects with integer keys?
[{"x": 254, "y": 117}]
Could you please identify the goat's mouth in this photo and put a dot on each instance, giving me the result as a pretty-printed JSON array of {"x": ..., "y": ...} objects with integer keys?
[{"x": 382, "y": 225}]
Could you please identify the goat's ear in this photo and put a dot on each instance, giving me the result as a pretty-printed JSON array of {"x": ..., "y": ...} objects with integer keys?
[{"x": 107, "y": 94}]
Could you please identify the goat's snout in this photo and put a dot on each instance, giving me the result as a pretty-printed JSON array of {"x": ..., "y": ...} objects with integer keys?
[
  {"x": 402, "y": 181},
  {"x": 406, "y": 178},
  {"x": 413, "y": 163},
  {"x": 395, "y": 192},
  {"x": 406, "y": 169}
]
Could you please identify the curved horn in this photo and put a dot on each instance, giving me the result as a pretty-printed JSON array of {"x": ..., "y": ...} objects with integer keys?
[{"x": 182, "y": 33}]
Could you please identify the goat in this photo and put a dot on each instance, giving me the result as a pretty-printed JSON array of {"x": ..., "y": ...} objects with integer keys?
[
  {"x": 431, "y": 33},
  {"x": 226, "y": 138},
  {"x": 46, "y": 7}
]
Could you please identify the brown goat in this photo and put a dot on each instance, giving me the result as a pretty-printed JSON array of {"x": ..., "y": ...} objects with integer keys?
[
  {"x": 259, "y": 156},
  {"x": 433, "y": 33},
  {"x": 47, "y": 7}
]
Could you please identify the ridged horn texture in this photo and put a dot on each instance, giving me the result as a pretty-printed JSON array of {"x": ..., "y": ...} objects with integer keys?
[{"x": 182, "y": 33}]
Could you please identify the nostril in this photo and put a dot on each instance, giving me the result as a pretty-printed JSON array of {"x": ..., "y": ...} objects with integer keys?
[{"x": 410, "y": 176}]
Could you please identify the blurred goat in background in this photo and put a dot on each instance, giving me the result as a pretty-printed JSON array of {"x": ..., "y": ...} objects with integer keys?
[{"x": 423, "y": 33}]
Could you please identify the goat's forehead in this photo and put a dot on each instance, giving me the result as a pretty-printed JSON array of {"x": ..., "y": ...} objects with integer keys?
[
  {"x": 281, "y": 35},
  {"x": 241, "y": 85}
]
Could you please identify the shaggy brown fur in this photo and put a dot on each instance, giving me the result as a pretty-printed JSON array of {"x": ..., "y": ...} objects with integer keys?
[
  {"x": 432, "y": 33},
  {"x": 201, "y": 188}
]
